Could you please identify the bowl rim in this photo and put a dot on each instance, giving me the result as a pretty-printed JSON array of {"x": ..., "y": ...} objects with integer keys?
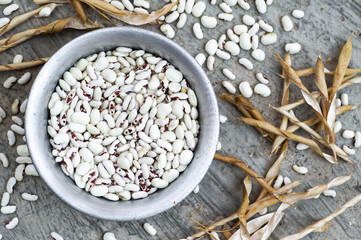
[{"x": 31, "y": 116}]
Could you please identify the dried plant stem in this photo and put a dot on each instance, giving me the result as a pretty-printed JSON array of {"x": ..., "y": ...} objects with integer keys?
[
  {"x": 247, "y": 109},
  {"x": 316, "y": 95},
  {"x": 314, "y": 134},
  {"x": 17, "y": 20},
  {"x": 312, "y": 121},
  {"x": 309, "y": 71},
  {"x": 274, "y": 169},
  {"x": 269, "y": 127},
  {"x": 242, "y": 165},
  {"x": 23, "y": 65},
  {"x": 127, "y": 16},
  {"x": 343, "y": 61},
  {"x": 79, "y": 10},
  {"x": 285, "y": 100},
  {"x": 309, "y": 98},
  {"x": 294, "y": 197},
  {"x": 234, "y": 216},
  {"x": 323, "y": 223},
  {"x": 247, "y": 188},
  {"x": 54, "y": 27}
]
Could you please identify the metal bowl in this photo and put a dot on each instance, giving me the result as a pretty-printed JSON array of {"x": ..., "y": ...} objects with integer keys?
[{"x": 37, "y": 116}]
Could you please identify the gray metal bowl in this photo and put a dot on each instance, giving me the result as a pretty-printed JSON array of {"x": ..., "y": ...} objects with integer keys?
[{"x": 37, "y": 116}]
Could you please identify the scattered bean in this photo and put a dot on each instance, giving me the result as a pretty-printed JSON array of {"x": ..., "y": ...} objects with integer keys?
[
  {"x": 298, "y": 13},
  {"x": 246, "y": 63},
  {"x": 245, "y": 89},
  {"x": 301, "y": 146},
  {"x": 287, "y": 23},
  {"x": 230, "y": 88},
  {"x": 300, "y": 169},
  {"x": 293, "y": 48},
  {"x": 149, "y": 229},
  {"x": 329, "y": 193},
  {"x": 229, "y": 74},
  {"x": 348, "y": 150},
  {"x": 262, "y": 78},
  {"x": 209, "y": 22}
]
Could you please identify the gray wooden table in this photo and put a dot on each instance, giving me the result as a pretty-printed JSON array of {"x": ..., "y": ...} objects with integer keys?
[{"x": 325, "y": 27}]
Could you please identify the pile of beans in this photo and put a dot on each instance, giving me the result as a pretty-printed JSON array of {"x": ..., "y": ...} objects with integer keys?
[{"x": 123, "y": 123}]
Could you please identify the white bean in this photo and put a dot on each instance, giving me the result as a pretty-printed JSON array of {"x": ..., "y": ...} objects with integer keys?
[
  {"x": 348, "y": 134},
  {"x": 240, "y": 28},
  {"x": 287, "y": 23},
  {"x": 344, "y": 99},
  {"x": 197, "y": 30},
  {"x": 13, "y": 223},
  {"x": 10, "y": 185},
  {"x": 4, "y": 21},
  {"x": 5, "y": 199},
  {"x": 4, "y": 160},
  {"x": 262, "y": 90},
  {"x": 262, "y": 78},
  {"x": 222, "y": 54},
  {"x": 245, "y": 89},
  {"x": 258, "y": 54},
  {"x": 149, "y": 228},
  {"x": 232, "y": 47},
  {"x": 248, "y": 20},
  {"x": 200, "y": 58},
  {"x": 278, "y": 182},
  {"x": 211, "y": 47},
  {"x": 226, "y": 17},
  {"x": 338, "y": 102},
  {"x": 245, "y": 41},
  {"x": 293, "y": 48},
  {"x": 18, "y": 58},
  {"x": 229, "y": 74},
  {"x": 209, "y": 22},
  {"x": 167, "y": 30},
  {"x": 232, "y": 36},
  {"x": 357, "y": 143},
  {"x": 210, "y": 63},
  {"x": 198, "y": 9},
  {"x": 348, "y": 150},
  {"x": 45, "y": 12},
  {"x": 24, "y": 78},
  {"x": 261, "y": 6},
  {"x": 329, "y": 193},
  {"x": 225, "y": 7},
  {"x": 301, "y": 146},
  {"x": 29, "y": 197},
  {"x": 265, "y": 26},
  {"x": 298, "y": 13},
  {"x": 300, "y": 169},
  {"x": 244, "y": 4},
  {"x": 230, "y": 88},
  {"x": 10, "y": 9},
  {"x": 182, "y": 20},
  {"x": 254, "y": 29},
  {"x": 222, "y": 118},
  {"x": 56, "y": 235},
  {"x": 246, "y": 63},
  {"x": 189, "y": 6},
  {"x": 269, "y": 38},
  {"x": 255, "y": 42},
  {"x": 231, "y": 2}
]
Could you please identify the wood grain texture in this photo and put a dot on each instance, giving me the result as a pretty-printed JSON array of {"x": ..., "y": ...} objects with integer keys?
[{"x": 325, "y": 27}]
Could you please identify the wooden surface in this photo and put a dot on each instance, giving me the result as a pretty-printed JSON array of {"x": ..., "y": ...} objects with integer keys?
[{"x": 325, "y": 27}]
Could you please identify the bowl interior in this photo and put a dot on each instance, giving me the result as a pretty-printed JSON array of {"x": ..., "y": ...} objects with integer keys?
[{"x": 37, "y": 116}]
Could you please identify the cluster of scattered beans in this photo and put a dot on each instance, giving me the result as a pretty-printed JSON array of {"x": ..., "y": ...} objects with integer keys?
[
  {"x": 11, "y": 8},
  {"x": 123, "y": 123}
]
